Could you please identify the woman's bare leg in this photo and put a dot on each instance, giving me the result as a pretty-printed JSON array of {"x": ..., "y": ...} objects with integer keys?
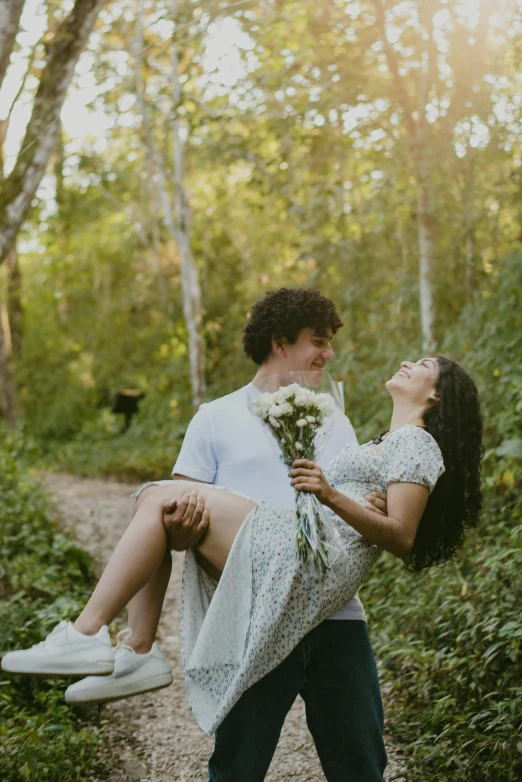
[
  {"x": 138, "y": 554},
  {"x": 144, "y": 609},
  {"x": 143, "y": 546}
]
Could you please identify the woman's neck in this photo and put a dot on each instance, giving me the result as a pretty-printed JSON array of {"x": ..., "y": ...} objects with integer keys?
[{"x": 404, "y": 413}]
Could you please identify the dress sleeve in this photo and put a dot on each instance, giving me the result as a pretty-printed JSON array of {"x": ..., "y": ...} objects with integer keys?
[
  {"x": 411, "y": 455},
  {"x": 197, "y": 458}
]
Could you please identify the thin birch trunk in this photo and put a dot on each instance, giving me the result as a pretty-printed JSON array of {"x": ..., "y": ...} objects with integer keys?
[
  {"x": 417, "y": 129},
  {"x": 470, "y": 231},
  {"x": 8, "y": 393},
  {"x": 176, "y": 216},
  {"x": 155, "y": 243},
  {"x": 10, "y": 13},
  {"x": 191, "y": 290},
  {"x": 63, "y": 52},
  {"x": 403, "y": 246},
  {"x": 15, "y": 310},
  {"x": 426, "y": 233}
]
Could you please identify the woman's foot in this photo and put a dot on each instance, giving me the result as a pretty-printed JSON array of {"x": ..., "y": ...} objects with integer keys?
[
  {"x": 65, "y": 652},
  {"x": 133, "y": 674}
]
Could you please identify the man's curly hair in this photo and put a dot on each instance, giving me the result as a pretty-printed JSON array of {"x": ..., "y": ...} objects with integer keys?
[{"x": 283, "y": 314}]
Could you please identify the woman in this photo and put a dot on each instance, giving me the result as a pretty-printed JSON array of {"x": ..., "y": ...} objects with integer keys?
[{"x": 237, "y": 630}]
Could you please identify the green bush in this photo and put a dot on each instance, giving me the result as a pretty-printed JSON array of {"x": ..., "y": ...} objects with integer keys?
[
  {"x": 450, "y": 649},
  {"x": 44, "y": 579}
]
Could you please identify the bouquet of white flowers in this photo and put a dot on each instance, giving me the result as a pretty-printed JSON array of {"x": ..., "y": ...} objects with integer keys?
[{"x": 298, "y": 417}]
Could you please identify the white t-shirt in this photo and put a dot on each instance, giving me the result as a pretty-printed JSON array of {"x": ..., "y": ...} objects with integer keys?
[{"x": 227, "y": 444}]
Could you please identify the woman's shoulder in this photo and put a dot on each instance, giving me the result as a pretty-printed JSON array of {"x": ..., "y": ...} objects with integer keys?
[
  {"x": 411, "y": 436},
  {"x": 412, "y": 455}
]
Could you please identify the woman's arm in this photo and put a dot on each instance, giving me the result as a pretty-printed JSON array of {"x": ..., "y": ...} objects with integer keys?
[{"x": 394, "y": 533}]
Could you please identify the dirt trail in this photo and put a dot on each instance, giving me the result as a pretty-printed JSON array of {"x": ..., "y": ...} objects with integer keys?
[{"x": 154, "y": 737}]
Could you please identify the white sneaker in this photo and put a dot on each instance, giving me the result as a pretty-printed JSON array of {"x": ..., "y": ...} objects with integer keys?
[
  {"x": 133, "y": 674},
  {"x": 65, "y": 652}
]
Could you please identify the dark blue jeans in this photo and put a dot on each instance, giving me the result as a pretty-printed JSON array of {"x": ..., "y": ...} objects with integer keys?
[{"x": 334, "y": 671}]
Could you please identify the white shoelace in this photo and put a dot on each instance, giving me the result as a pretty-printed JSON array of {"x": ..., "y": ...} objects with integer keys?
[{"x": 121, "y": 637}]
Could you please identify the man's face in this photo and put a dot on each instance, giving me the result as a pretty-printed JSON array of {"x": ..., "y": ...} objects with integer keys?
[{"x": 309, "y": 353}]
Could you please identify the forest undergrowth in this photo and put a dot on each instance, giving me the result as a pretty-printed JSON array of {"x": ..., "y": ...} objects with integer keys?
[{"x": 44, "y": 578}]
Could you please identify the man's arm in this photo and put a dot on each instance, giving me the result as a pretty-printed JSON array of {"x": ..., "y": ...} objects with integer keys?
[
  {"x": 196, "y": 462},
  {"x": 197, "y": 458}
]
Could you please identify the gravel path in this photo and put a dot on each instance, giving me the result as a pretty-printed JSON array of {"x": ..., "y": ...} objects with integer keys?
[{"x": 154, "y": 737}]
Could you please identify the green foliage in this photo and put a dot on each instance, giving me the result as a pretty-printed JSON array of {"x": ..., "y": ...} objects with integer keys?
[
  {"x": 450, "y": 650},
  {"x": 450, "y": 642},
  {"x": 44, "y": 579}
]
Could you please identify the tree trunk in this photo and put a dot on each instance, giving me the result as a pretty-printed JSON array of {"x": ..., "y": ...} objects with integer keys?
[
  {"x": 15, "y": 311},
  {"x": 426, "y": 233},
  {"x": 154, "y": 245},
  {"x": 191, "y": 290},
  {"x": 8, "y": 395},
  {"x": 10, "y": 13},
  {"x": 176, "y": 219},
  {"x": 417, "y": 128},
  {"x": 62, "y": 55},
  {"x": 470, "y": 231},
  {"x": 59, "y": 161}
]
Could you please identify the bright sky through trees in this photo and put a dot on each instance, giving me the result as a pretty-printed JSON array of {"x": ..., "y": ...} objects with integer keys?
[
  {"x": 82, "y": 122},
  {"x": 222, "y": 61}
]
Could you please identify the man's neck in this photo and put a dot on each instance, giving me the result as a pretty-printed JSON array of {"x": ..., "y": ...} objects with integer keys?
[{"x": 270, "y": 368}]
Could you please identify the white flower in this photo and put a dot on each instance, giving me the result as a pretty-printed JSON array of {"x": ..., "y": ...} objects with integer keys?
[
  {"x": 286, "y": 391},
  {"x": 305, "y": 398},
  {"x": 301, "y": 423},
  {"x": 274, "y": 422},
  {"x": 325, "y": 403},
  {"x": 310, "y": 419},
  {"x": 262, "y": 404},
  {"x": 299, "y": 447}
]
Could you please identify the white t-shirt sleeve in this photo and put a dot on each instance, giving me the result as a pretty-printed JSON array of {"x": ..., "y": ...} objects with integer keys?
[
  {"x": 351, "y": 437},
  {"x": 197, "y": 457},
  {"x": 343, "y": 434}
]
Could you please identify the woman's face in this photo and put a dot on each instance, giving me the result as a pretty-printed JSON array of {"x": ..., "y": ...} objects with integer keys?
[{"x": 416, "y": 382}]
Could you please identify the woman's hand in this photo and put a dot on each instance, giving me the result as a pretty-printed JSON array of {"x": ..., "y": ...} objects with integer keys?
[{"x": 307, "y": 476}]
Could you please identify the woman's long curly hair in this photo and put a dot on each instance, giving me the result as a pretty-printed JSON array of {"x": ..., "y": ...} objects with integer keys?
[{"x": 455, "y": 503}]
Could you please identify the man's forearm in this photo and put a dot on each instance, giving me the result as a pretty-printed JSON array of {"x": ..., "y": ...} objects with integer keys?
[{"x": 384, "y": 531}]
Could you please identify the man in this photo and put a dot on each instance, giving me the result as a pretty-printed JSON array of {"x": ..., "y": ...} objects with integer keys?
[{"x": 332, "y": 668}]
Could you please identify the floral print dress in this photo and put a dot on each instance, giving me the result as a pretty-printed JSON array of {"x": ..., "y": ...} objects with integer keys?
[{"x": 236, "y": 631}]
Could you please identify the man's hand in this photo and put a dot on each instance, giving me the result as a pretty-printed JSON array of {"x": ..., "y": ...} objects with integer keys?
[
  {"x": 186, "y": 520},
  {"x": 378, "y": 501}
]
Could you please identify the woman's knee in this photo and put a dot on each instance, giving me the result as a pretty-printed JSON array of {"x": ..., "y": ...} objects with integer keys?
[
  {"x": 156, "y": 496},
  {"x": 144, "y": 495}
]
